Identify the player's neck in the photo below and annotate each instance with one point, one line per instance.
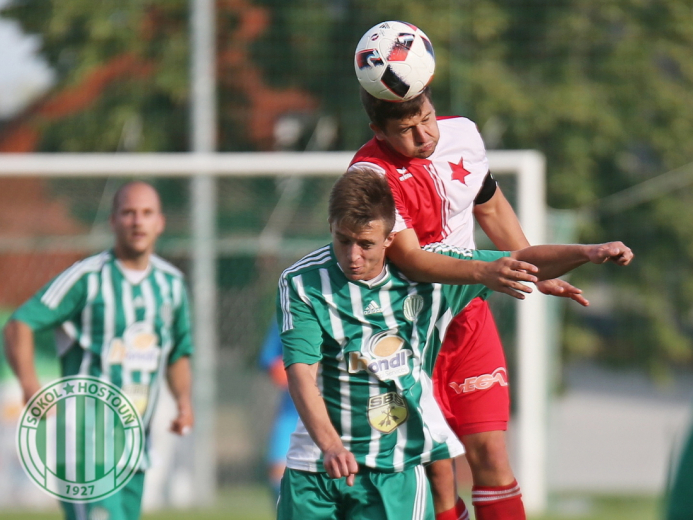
(132, 260)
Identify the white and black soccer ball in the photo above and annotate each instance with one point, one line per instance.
(394, 61)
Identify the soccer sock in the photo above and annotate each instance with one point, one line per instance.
(498, 503)
(459, 512)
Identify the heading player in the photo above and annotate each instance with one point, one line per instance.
(438, 172)
(360, 340)
(121, 315)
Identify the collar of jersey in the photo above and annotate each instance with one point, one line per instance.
(119, 265)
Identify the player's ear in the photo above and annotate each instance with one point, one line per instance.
(379, 134)
(389, 239)
(162, 223)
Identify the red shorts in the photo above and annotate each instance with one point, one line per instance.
(470, 378)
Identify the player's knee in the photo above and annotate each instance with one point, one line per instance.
(487, 452)
(440, 471)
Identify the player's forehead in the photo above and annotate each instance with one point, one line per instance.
(137, 195)
(426, 110)
(371, 232)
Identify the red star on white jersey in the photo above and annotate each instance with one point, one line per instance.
(458, 172)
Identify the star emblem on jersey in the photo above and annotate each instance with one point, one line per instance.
(372, 308)
(459, 173)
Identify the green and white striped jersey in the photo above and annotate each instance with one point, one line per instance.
(108, 327)
(376, 344)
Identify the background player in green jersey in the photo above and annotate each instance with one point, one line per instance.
(360, 340)
(122, 316)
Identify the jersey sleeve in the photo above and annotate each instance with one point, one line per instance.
(458, 296)
(182, 331)
(300, 331)
(55, 303)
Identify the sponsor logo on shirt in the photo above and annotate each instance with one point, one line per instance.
(383, 356)
(387, 411)
(482, 382)
(137, 351)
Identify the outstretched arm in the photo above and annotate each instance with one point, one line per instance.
(503, 275)
(338, 461)
(19, 349)
(556, 260)
(498, 220)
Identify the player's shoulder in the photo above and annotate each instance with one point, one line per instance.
(313, 262)
(370, 155)
(457, 123)
(74, 277)
(90, 264)
(165, 266)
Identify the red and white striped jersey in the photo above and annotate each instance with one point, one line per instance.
(435, 196)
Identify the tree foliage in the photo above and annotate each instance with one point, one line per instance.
(603, 87)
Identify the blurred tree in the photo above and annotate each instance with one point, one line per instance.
(115, 62)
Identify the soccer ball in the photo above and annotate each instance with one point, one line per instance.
(394, 61)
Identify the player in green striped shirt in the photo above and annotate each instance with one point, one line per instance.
(360, 340)
(121, 315)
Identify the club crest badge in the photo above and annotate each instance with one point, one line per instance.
(387, 411)
(412, 306)
(80, 439)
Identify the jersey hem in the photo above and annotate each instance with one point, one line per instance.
(310, 467)
(481, 427)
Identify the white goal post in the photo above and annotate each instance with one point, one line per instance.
(532, 390)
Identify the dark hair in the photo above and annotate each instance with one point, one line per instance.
(380, 111)
(359, 197)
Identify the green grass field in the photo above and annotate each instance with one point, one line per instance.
(253, 503)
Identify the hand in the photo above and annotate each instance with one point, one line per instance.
(184, 422)
(558, 287)
(616, 252)
(505, 274)
(339, 462)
